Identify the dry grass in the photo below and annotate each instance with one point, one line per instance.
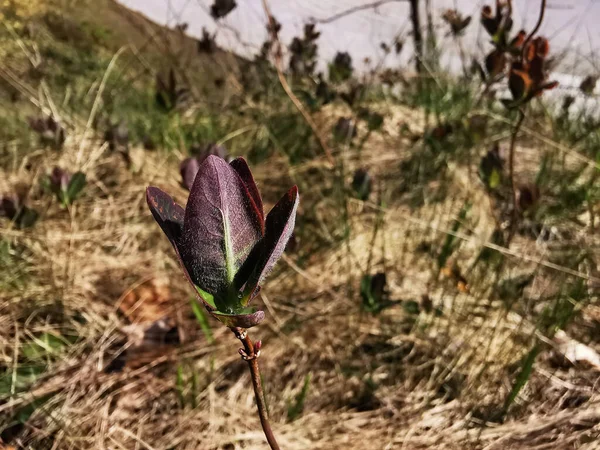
(102, 273)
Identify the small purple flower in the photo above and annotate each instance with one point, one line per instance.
(222, 239)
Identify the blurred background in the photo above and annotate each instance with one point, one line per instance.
(441, 286)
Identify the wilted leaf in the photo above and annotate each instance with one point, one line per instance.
(146, 342)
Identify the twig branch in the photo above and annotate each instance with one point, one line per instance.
(250, 354)
(286, 86)
(353, 10)
(535, 30)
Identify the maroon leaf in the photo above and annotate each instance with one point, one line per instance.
(59, 180)
(221, 226)
(170, 216)
(279, 227)
(188, 169)
(167, 213)
(241, 167)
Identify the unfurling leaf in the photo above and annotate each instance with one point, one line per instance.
(222, 240)
(12, 207)
(65, 186)
(189, 168)
(221, 227)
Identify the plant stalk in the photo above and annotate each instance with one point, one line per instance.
(511, 174)
(250, 355)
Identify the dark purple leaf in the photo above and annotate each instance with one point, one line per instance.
(37, 124)
(59, 180)
(241, 167)
(279, 227)
(188, 169)
(221, 227)
(168, 214)
(170, 217)
(9, 206)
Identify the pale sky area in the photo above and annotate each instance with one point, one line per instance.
(571, 25)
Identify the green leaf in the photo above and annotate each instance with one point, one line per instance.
(26, 218)
(495, 179)
(375, 121)
(296, 407)
(42, 347)
(75, 186)
(202, 320)
(522, 377)
(20, 380)
(180, 386)
(208, 298)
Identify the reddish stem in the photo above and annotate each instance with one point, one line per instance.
(250, 354)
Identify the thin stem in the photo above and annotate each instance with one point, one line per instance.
(511, 172)
(250, 354)
(535, 30)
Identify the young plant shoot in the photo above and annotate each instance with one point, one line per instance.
(227, 247)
